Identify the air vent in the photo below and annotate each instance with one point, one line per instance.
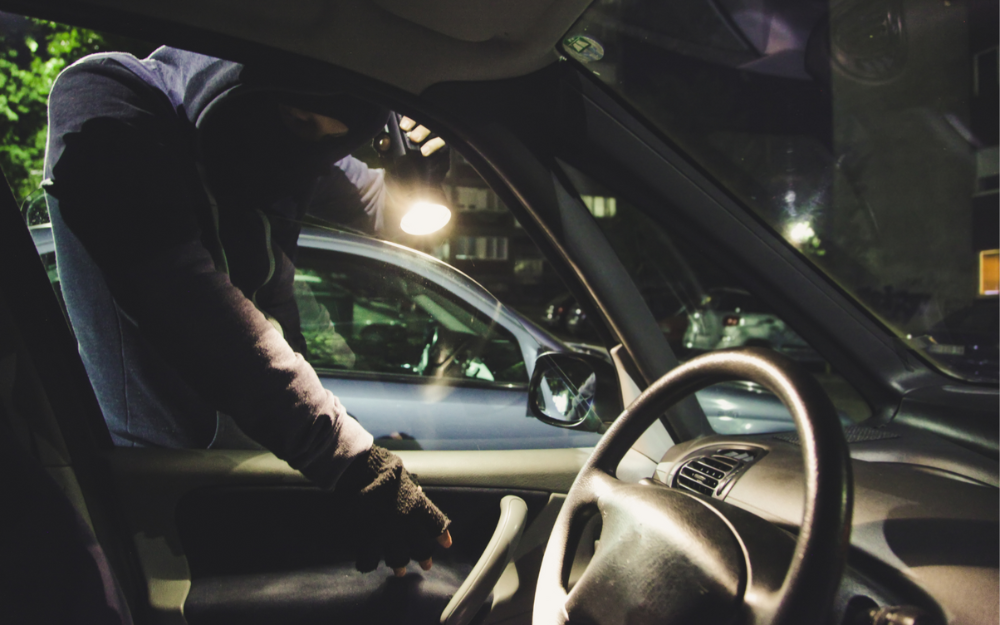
(711, 472)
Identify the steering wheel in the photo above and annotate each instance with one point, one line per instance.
(669, 556)
(445, 350)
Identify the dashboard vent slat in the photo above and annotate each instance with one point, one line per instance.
(719, 464)
(707, 469)
(700, 477)
(711, 472)
(691, 485)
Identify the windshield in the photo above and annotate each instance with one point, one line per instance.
(863, 132)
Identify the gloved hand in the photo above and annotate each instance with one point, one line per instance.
(427, 168)
(417, 134)
(396, 521)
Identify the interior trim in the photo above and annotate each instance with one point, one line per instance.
(151, 482)
(406, 378)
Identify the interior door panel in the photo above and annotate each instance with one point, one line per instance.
(239, 536)
(284, 553)
(249, 530)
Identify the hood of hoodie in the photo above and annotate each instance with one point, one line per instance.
(202, 88)
(232, 110)
(258, 175)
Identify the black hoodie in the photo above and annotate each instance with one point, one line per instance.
(175, 196)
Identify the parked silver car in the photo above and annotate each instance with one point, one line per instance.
(426, 358)
(731, 317)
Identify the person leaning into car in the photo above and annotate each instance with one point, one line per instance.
(176, 186)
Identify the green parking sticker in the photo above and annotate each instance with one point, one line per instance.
(584, 48)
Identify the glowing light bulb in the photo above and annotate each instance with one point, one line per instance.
(425, 218)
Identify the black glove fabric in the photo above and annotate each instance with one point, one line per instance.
(396, 522)
(412, 168)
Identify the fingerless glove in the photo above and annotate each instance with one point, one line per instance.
(396, 521)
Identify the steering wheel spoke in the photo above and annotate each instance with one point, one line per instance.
(671, 556)
(663, 557)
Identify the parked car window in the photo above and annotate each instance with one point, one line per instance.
(368, 316)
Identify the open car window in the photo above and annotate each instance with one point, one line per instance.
(367, 316)
(429, 347)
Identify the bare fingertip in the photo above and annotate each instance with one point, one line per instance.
(400, 572)
(406, 123)
(432, 146)
(427, 564)
(445, 539)
(418, 134)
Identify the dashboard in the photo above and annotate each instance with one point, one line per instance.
(925, 530)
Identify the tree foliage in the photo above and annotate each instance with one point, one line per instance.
(32, 53)
(30, 60)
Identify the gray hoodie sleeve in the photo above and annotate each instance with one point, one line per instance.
(118, 163)
(370, 186)
(351, 194)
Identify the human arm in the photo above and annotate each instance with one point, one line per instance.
(120, 168)
(367, 199)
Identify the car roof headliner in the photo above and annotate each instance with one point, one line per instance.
(409, 44)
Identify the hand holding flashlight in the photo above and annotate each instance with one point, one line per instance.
(417, 133)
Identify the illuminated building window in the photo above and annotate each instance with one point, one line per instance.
(528, 270)
(600, 206)
(989, 272)
(475, 199)
(479, 248)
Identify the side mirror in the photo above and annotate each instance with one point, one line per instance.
(576, 391)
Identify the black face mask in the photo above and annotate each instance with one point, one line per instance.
(251, 157)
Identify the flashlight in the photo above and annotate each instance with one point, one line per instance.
(428, 212)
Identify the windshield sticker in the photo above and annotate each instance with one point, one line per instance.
(584, 48)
